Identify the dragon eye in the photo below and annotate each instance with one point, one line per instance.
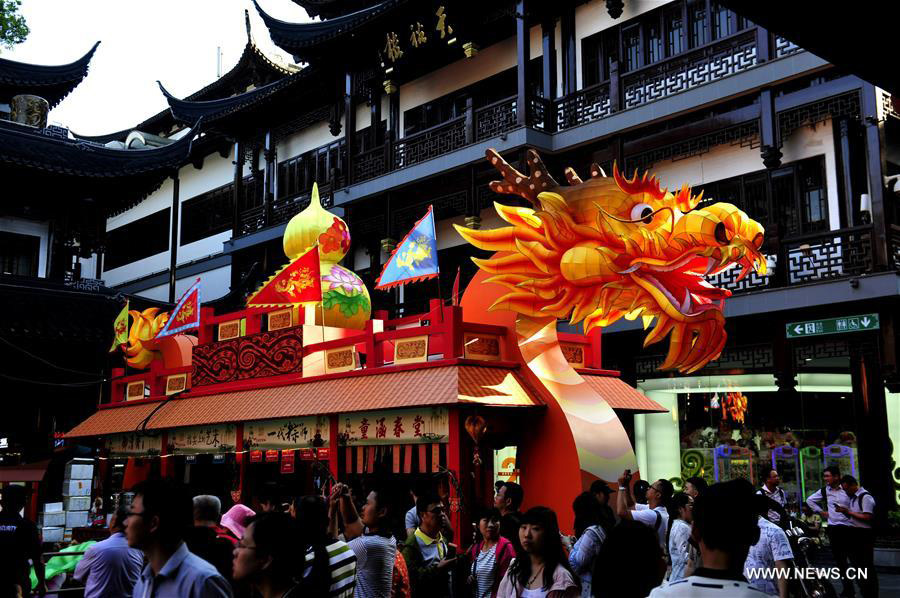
(642, 211)
(722, 234)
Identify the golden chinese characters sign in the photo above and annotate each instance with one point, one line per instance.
(291, 433)
(395, 426)
(133, 444)
(215, 438)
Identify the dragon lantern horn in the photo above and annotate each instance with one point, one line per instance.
(635, 186)
(516, 183)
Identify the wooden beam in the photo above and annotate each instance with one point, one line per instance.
(523, 55)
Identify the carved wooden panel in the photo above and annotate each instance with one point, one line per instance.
(574, 354)
(411, 350)
(176, 383)
(280, 319)
(229, 330)
(482, 346)
(343, 359)
(134, 390)
(266, 354)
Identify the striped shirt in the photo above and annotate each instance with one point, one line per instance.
(483, 568)
(375, 557)
(341, 565)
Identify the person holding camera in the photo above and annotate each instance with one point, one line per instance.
(369, 537)
(429, 558)
(654, 513)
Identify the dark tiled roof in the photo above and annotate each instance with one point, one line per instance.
(301, 39)
(188, 111)
(52, 83)
(329, 9)
(26, 147)
(252, 64)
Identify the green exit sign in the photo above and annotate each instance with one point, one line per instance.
(840, 325)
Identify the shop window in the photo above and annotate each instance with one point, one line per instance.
(137, 240)
(674, 31)
(631, 46)
(699, 24)
(19, 254)
(653, 48)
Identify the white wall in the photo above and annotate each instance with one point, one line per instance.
(725, 161)
(32, 228)
(213, 284)
(305, 140)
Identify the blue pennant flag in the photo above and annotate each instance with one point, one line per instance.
(186, 314)
(415, 257)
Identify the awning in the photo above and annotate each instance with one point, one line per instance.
(622, 396)
(444, 385)
(26, 472)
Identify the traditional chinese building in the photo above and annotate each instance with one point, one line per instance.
(393, 110)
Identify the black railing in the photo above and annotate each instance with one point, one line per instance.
(495, 119)
(842, 253)
(430, 143)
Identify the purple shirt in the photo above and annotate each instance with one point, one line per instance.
(109, 568)
(185, 575)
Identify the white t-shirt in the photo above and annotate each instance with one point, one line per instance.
(539, 593)
(701, 587)
(375, 557)
(648, 516)
(861, 502)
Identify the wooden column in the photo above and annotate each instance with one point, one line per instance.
(393, 128)
(875, 168)
(374, 115)
(238, 190)
(173, 247)
(523, 55)
(349, 125)
(567, 39)
(548, 71)
(770, 141)
(845, 171)
(453, 464)
(269, 176)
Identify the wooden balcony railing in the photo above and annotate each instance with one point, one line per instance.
(621, 91)
(817, 257)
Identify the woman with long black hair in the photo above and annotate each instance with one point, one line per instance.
(679, 536)
(540, 569)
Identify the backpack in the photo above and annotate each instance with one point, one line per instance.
(859, 497)
(823, 502)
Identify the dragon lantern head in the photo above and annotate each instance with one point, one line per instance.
(144, 328)
(598, 250)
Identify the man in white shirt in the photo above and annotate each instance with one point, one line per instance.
(110, 567)
(773, 491)
(830, 502)
(725, 526)
(654, 513)
(771, 552)
(861, 512)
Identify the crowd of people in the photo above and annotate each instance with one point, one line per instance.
(633, 540)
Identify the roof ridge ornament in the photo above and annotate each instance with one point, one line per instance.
(247, 25)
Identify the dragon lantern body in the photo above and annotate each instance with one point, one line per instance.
(593, 252)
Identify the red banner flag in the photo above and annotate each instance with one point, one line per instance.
(297, 282)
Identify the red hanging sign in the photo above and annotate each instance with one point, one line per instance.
(287, 461)
(255, 456)
(306, 454)
(323, 454)
(272, 456)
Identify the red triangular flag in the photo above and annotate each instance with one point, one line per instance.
(297, 282)
(454, 294)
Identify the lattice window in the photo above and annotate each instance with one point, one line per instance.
(846, 104)
(430, 143)
(495, 119)
(584, 106)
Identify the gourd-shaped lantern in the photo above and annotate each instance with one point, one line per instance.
(345, 299)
